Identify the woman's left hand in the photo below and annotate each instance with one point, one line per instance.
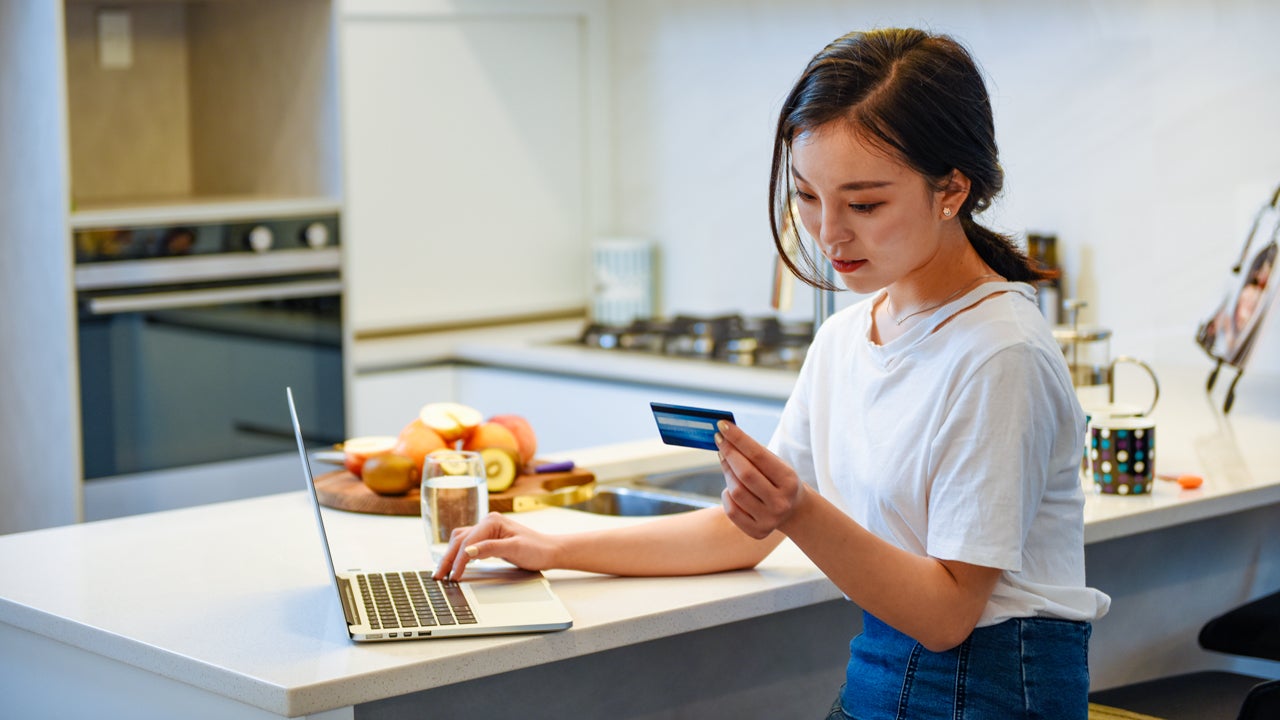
(761, 491)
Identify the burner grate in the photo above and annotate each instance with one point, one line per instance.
(747, 341)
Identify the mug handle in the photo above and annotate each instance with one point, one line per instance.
(1111, 380)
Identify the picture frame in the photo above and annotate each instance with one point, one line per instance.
(1231, 330)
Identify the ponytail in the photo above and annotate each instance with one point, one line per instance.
(1002, 254)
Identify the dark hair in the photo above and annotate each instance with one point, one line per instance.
(923, 98)
(1263, 262)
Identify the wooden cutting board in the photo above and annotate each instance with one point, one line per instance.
(343, 491)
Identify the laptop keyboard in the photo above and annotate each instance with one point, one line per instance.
(412, 599)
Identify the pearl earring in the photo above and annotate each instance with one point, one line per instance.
(946, 212)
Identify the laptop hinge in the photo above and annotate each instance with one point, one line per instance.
(348, 602)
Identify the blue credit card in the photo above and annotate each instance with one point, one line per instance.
(688, 426)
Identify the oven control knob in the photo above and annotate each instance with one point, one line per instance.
(260, 239)
(316, 235)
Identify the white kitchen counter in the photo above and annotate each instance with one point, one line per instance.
(233, 600)
(228, 606)
(1237, 454)
(550, 347)
(390, 352)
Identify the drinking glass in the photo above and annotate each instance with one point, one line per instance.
(455, 494)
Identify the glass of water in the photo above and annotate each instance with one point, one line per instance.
(455, 494)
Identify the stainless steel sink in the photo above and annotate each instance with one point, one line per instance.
(633, 501)
(707, 482)
(664, 494)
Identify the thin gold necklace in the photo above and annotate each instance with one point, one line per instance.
(935, 306)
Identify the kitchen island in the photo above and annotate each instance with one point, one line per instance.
(225, 610)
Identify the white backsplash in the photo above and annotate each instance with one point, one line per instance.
(1140, 133)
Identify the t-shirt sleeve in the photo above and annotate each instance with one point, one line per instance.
(991, 460)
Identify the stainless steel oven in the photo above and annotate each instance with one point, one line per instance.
(188, 335)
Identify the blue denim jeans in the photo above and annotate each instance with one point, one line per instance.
(1022, 668)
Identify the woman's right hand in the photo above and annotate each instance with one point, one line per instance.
(496, 536)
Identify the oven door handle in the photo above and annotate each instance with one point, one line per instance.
(143, 302)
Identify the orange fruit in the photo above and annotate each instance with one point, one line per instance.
(492, 435)
(416, 440)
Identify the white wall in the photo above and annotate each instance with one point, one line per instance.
(1141, 132)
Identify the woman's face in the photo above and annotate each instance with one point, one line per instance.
(874, 218)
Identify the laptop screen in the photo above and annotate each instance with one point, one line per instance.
(311, 488)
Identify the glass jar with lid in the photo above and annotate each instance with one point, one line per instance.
(1087, 348)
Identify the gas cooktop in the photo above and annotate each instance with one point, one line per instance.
(765, 341)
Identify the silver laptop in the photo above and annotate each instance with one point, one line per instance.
(407, 604)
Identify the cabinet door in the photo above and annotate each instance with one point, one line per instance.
(465, 149)
(384, 402)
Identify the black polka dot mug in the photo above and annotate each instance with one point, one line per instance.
(1096, 411)
(1122, 454)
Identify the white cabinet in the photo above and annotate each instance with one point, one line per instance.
(382, 403)
(470, 131)
(572, 412)
(470, 137)
(221, 104)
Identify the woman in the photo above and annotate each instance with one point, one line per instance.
(927, 458)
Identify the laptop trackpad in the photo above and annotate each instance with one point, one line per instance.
(518, 592)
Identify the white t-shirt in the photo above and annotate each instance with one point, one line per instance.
(960, 444)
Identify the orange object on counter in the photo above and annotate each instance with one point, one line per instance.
(1186, 481)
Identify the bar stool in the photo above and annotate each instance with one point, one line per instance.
(1251, 630)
